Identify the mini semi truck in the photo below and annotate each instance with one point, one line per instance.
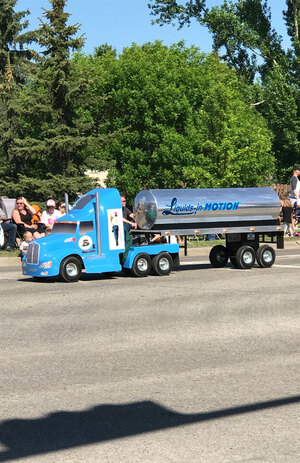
(91, 237)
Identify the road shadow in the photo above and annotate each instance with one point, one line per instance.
(183, 267)
(64, 429)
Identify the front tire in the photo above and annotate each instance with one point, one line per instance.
(245, 257)
(218, 256)
(70, 269)
(141, 265)
(265, 256)
(162, 264)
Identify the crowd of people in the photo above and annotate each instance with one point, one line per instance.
(28, 222)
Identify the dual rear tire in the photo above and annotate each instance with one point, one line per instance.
(245, 257)
(161, 264)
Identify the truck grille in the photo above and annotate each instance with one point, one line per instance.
(33, 253)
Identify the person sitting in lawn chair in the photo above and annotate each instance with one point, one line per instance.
(10, 229)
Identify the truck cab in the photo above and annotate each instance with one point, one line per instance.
(91, 237)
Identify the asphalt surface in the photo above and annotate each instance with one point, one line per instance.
(198, 366)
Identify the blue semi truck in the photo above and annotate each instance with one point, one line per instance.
(91, 237)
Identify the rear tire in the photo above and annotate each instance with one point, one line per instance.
(218, 256)
(245, 257)
(162, 264)
(141, 265)
(265, 256)
(70, 269)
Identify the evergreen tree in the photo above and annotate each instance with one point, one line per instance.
(15, 66)
(50, 156)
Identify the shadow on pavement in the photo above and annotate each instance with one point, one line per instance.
(65, 429)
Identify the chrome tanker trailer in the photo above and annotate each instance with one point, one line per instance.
(247, 217)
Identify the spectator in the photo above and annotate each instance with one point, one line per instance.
(62, 208)
(36, 219)
(287, 211)
(295, 186)
(10, 229)
(24, 245)
(50, 215)
(128, 216)
(22, 217)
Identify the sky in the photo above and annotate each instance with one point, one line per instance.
(122, 22)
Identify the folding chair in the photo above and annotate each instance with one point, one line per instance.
(8, 205)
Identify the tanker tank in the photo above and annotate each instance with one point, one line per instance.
(204, 208)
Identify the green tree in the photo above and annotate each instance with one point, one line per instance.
(51, 153)
(15, 67)
(182, 120)
(243, 36)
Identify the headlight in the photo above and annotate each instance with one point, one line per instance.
(46, 264)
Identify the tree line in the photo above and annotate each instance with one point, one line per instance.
(153, 116)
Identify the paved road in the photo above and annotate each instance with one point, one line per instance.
(199, 366)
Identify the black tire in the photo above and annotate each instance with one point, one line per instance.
(162, 264)
(70, 269)
(265, 256)
(245, 257)
(233, 260)
(218, 256)
(141, 266)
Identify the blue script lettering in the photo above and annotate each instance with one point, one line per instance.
(175, 209)
(188, 209)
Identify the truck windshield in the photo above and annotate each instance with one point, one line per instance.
(83, 201)
(69, 228)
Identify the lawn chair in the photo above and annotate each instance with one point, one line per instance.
(7, 205)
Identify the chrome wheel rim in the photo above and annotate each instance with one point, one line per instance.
(71, 269)
(248, 257)
(164, 264)
(267, 256)
(142, 265)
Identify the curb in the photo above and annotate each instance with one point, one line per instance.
(201, 251)
(10, 262)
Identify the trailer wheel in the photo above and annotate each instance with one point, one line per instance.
(265, 256)
(162, 264)
(218, 256)
(141, 265)
(70, 269)
(245, 257)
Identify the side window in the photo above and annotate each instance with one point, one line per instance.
(86, 227)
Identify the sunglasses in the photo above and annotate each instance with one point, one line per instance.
(20, 203)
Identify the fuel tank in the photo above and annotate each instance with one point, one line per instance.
(206, 207)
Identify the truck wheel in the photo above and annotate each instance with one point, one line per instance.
(265, 256)
(141, 265)
(162, 264)
(218, 256)
(70, 269)
(245, 257)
